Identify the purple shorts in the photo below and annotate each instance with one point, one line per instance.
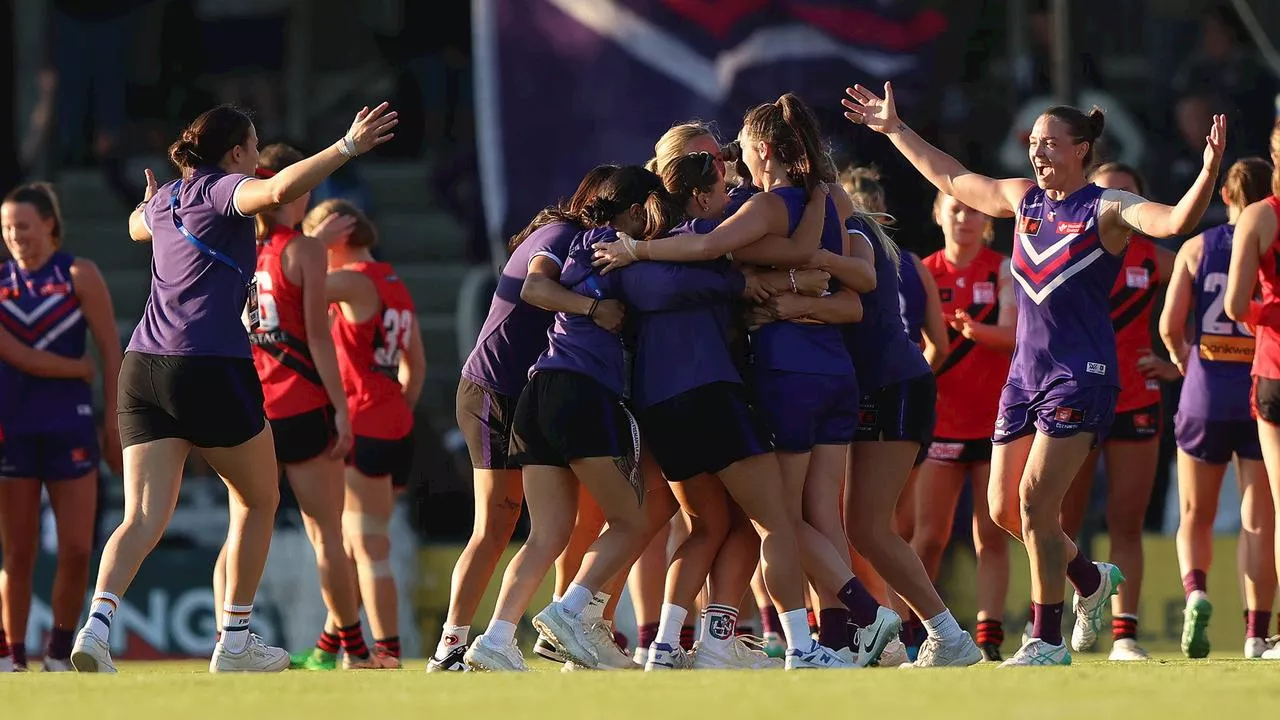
(1063, 410)
(49, 456)
(803, 410)
(1215, 441)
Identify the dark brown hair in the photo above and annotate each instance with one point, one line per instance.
(209, 137)
(695, 172)
(1248, 181)
(633, 185)
(1119, 167)
(1081, 127)
(790, 127)
(566, 211)
(40, 195)
(364, 234)
(274, 158)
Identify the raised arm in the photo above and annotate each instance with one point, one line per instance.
(542, 289)
(1177, 302)
(139, 231)
(310, 256)
(997, 198)
(936, 344)
(1255, 231)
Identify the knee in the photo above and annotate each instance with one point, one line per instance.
(20, 559)
(547, 542)
(495, 527)
(366, 537)
(74, 555)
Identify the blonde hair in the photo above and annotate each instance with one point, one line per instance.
(364, 234)
(864, 188)
(670, 147)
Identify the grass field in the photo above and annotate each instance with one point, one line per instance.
(1170, 687)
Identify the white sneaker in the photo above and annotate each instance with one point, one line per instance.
(960, 651)
(93, 655)
(485, 656)
(667, 657)
(1128, 650)
(1255, 647)
(1273, 649)
(607, 653)
(1089, 610)
(870, 641)
(257, 656)
(736, 654)
(56, 665)
(6, 664)
(816, 657)
(641, 656)
(894, 654)
(1038, 652)
(567, 632)
(1026, 633)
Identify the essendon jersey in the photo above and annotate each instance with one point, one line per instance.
(369, 356)
(290, 382)
(971, 378)
(1266, 357)
(1132, 297)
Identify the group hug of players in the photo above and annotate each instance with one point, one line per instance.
(730, 334)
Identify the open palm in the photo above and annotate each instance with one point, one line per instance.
(866, 108)
(1216, 143)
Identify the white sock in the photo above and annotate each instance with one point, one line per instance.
(235, 627)
(101, 611)
(943, 626)
(718, 625)
(450, 637)
(1196, 596)
(500, 633)
(669, 624)
(555, 597)
(595, 610)
(795, 626)
(576, 599)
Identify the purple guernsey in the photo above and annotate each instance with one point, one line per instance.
(882, 351)
(1218, 381)
(911, 298)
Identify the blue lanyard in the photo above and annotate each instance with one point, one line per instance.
(195, 241)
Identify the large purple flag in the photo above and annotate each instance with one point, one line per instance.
(563, 85)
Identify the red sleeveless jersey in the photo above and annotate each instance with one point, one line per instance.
(1132, 298)
(369, 356)
(1266, 356)
(972, 377)
(290, 382)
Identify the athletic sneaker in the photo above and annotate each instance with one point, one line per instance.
(870, 641)
(991, 652)
(1273, 649)
(894, 654)
(91, 654)
(775, 646)
(486, 657)
(452, 661)
(1195, 625)
(375, 661)
(1255, 647)
(737, 654)
(1026, 633)
(603, 645)
(1128, 650)
(961, 651)
(641, 656)
(1089, 610)
(668, 657)
(257, 656)
(56, 665)
(384, 658)
(314, 659)
(1038, 652)
(816, 657)
(567, 632)
(545, 650)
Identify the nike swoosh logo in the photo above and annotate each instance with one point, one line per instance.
(866, 649)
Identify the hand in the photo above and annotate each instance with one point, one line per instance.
(609, 315)
(1215, 144)
(371, 128)
(111, 447)
(812, 283)
(152, 186)
(962, 323)
(1153, 366)
(346, 438)
(755, 290)
(615, 255)
(866, 108)
(335, 228)
(88, 370)
(789, 306)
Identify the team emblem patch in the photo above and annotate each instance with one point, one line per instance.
(1068, 415)
(1028, 226)
(984, 293)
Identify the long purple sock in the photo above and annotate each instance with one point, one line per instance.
(647, 633)
(833, 628)
(769, 620)
(1193, 581)
(862, 606)
(60, 640)
(19, 654)
(1084, 575)
(1256, 623)
(1047, 623)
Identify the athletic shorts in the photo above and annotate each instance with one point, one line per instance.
(208, 401)
(703, 430)
(304, 436)
(1215, 441)
(962, 452)
(564, 416)
(1264, 400)
(1064, 410)
(803, 409)
(484, 417)
(52, 455)
(375, 457)
(903, 411)
(1137, 425)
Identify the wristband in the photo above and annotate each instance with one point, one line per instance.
(347, 147)
(592, 312)
(792, 273)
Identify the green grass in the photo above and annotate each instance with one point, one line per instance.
(1170, 687)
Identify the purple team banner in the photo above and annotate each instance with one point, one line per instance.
(564, 85)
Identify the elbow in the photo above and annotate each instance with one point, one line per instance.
(1236, 309)
(529, 291)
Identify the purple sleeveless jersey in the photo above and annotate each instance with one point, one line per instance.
(1063, 280)
(882, 351)
(40, 309)
(911, 297)
(196, 302)
(515, 332)
(1218, 381)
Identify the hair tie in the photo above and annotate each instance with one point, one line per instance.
(264, 173)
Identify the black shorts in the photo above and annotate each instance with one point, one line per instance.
(901, 411)
(1136, 425)
(484, 417)
(564, 416)
(375, 457)
(1265, 399)
(704, 430)
(304, 436)
(208, 401)
(963, 452)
